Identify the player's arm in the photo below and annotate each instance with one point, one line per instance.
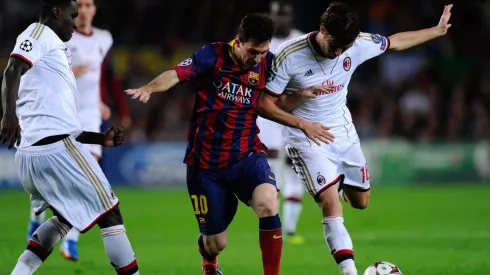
(405, 40)
(201, 63)
(111, 138)
(313, 130)
(10, 130)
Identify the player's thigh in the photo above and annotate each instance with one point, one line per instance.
(356, 183)
(24, 167)
(252, 174)
(316, 167)
(214, 205)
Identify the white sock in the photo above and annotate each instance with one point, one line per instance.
(39, 218)
(40, 246)
(119, 250)
(290, 215)
(339, 242)
(73, 235)
(24, 269)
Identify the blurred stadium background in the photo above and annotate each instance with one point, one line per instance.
(422, 115)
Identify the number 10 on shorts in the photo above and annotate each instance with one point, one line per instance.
(200, 204)
(365, 173)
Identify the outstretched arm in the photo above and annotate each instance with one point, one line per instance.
(405, 40)
(161, 83)
(201, 63)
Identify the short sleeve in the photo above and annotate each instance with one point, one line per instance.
(29, 49)
(200, 63)
(372, 45)
(278, 77)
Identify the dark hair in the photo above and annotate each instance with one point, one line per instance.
(341, 22)
(47, 6)
(258, 27)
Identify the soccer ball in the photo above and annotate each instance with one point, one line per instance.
(382, 268)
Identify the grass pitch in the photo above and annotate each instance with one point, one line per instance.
(424, 230)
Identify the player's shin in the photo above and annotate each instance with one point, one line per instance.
(271, 241)
(340, 244)
(40, 246)
(34, 222)
(119, 250)
(290, 214)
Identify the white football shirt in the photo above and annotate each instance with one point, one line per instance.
(271, 133)
(90, 51)
(48, 96)
(298, 64)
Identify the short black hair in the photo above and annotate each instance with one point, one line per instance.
(341, 22)
(258, 27)
(47, 6)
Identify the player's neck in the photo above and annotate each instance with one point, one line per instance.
(48, 22)
(237, 60)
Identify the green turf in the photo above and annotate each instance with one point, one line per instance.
(432, 231)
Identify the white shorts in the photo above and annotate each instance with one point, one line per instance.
(320, 167)
(66, 177)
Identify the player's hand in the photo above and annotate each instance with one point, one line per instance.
(10, 130)
(79, 70)
(317, 132)
(444, 22)
(142, 94)
(314, 91)
(114, 137)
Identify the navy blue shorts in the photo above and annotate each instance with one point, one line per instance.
(214, 193)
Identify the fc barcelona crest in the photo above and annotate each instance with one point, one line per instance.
(253, 78)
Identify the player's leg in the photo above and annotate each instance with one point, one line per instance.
(34, 222)
(292, 192)
(103, 209)
(317, 167)
(69, 246)
(356, 185)
(47, 235)
(256, 186)
(214, 207)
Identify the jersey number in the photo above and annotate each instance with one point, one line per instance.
(200, 204)
(365, 173)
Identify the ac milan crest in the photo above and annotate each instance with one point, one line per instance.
(320, 180)
(347, 63)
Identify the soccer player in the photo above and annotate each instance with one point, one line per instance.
(89, 46)
(40, 98)
(330, 56)
(292, 189)
(225, 158)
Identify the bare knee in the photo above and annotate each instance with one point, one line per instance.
(111, 218)
(214, 244)
(264, 200)
(356, 198)
(329, 203)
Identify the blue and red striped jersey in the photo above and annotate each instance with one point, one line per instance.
(223, 127)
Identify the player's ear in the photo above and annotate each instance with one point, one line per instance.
(56, 12)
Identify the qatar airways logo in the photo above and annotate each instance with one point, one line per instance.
(233, 92)
(331, 83)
